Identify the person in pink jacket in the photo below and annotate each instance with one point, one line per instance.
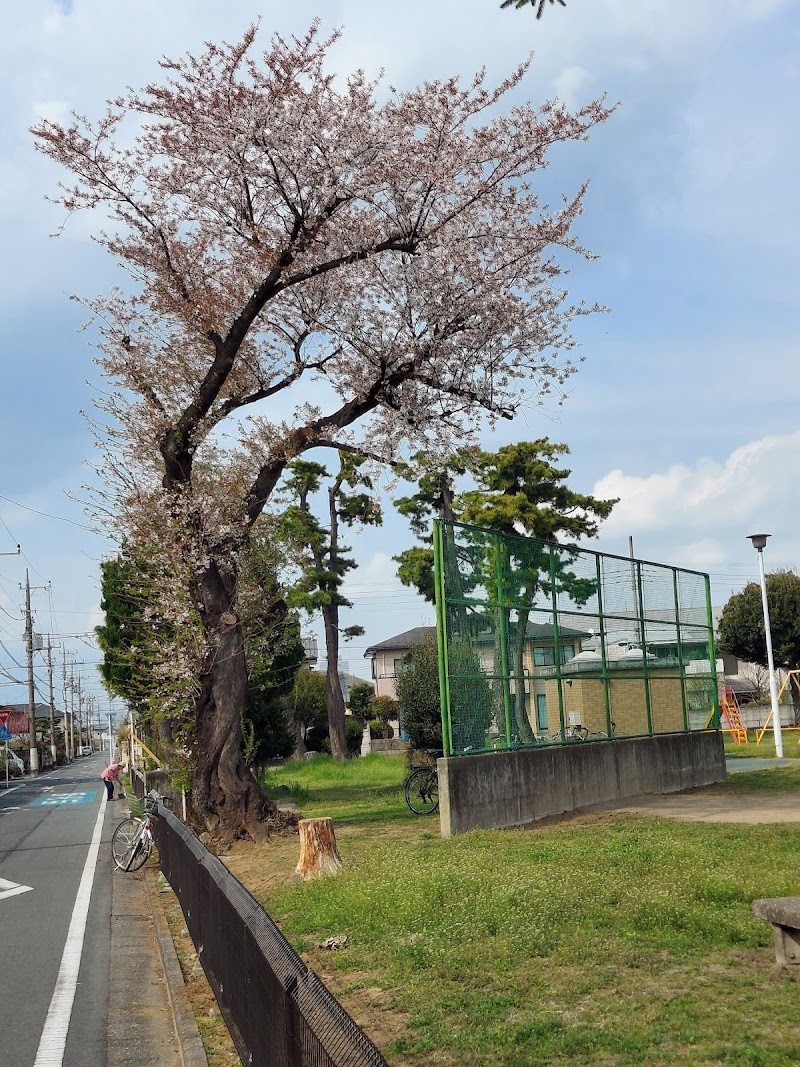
(109, 776)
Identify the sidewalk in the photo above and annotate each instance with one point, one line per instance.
(150, 1020)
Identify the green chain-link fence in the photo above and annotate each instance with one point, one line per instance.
(542, 643)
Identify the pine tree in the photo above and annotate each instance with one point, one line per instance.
(325, 561)
(517, 490)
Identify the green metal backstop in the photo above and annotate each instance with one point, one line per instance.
(542, 643)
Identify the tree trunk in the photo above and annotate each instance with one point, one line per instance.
(334, 701)
(318, 852)
(225, 797)
(299, 741)
(526, 734)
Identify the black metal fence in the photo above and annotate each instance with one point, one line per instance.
(278, 1012)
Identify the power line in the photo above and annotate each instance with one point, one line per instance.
(45, 514)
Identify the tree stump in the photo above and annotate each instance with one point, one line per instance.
(318, 852)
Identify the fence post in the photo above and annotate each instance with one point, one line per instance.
(643, 642)
(712, 655)
(441, 637)
(501, 622)
(603, 661)
(681, 667)
(557, 644)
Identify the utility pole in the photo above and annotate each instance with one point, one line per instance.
(52, 702)
(67, 717)
(34, 754)
(72, 706)
(80, 717)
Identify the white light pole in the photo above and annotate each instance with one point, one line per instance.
(759, 541)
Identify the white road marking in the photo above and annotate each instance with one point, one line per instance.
(54, 1036)
(12, 889)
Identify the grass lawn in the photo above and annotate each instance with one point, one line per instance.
(766, 750)
(599, 940)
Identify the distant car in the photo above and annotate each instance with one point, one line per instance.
(16, 768)
(85, 750)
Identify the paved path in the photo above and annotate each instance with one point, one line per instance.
(756, 763)
(699, 806)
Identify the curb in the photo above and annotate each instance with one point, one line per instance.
(190, 1046)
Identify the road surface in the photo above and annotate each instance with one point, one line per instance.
(55, 907)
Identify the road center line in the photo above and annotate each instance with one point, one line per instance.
(56, 1026)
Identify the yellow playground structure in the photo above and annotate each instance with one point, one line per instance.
(786, 681)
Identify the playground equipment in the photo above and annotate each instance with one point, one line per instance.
(786, 681)
(730, 712)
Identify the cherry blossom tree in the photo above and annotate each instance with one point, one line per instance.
(310, 262)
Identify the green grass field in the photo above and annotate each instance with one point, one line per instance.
(766, 750)
(600, 940)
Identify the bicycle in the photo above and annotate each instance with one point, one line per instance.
(132, 840)
(571, 733)
(422, 786)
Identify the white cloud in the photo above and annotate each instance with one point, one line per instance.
(699, 516)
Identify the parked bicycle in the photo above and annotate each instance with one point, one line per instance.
(132, 841)
(422, 786)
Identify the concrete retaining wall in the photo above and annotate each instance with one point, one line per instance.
(493, 790)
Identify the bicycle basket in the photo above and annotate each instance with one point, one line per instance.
(151, 803)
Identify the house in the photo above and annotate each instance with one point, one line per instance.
(539, 652)
(386, 656)
(18, 725)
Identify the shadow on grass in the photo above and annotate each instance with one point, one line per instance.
(769, 780)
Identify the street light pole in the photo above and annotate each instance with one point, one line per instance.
(759, 541)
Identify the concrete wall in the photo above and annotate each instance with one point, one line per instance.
(493, 790)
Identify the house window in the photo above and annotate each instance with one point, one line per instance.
(541, 711)
(396, 664)
(545, 655)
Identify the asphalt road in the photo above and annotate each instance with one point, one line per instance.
(47, 825)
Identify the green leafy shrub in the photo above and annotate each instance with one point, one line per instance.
(417, 683)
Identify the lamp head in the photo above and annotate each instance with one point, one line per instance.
(759, 540)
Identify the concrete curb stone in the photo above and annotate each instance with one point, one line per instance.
(190, 1044)
(147, 990)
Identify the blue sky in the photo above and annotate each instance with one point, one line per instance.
(687, 404)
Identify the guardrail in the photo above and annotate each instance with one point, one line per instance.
(278, 1011)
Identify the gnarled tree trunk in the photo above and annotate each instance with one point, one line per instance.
(225, 797)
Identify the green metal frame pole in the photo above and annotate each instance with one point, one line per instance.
(603, 660)
(501, 619)
(557, 644)
(681, 664)
(441, 636)
(712, 652)
(643, 643)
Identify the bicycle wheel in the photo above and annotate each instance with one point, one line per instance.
(580, 732)
(422, 791)
(130, 845)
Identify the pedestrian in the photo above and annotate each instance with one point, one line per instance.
(111, 775)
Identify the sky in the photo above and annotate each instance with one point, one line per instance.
(686, 405)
